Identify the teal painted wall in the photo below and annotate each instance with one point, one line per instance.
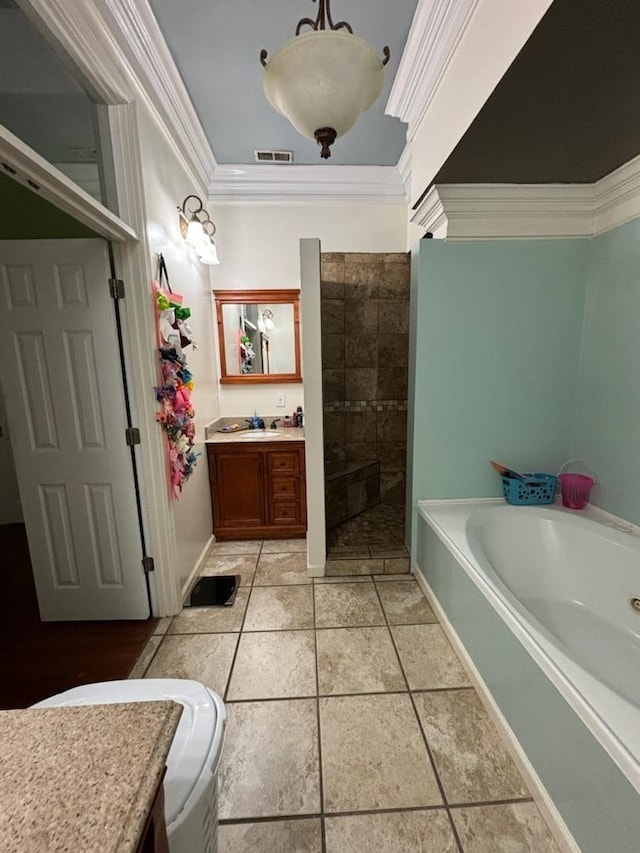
(528, 352)
(496, 338)
(606, 427)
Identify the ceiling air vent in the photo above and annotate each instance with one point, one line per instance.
(84, 155)
(273, 156)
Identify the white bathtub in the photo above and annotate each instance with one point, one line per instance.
(562, 581)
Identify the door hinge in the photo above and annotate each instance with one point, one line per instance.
(132, 435)
(116, 288)
(148, 565)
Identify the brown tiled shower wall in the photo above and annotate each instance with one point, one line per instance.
(365, 354)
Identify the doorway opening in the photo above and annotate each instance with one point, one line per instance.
(42, 658)
(365, 355)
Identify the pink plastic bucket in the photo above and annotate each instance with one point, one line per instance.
(576, 488)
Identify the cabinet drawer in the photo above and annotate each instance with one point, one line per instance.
(284, 489)
(284, 462)
(284, 513)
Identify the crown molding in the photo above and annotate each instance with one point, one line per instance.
(404, 169)
(617, 197)
(507, 211)
(141, 40)
(430, 214)
(283, 184)
(117, 50)
(436, 30)
(78, 33)
(531, 211)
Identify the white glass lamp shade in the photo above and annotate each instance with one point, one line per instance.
(196, 233)
(323, 79)
(209, 254)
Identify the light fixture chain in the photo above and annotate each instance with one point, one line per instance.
(323, 17)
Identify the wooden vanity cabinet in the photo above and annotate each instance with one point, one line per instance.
(258, 490)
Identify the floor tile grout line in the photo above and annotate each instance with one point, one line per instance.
(318, 815)
(357, 813)
(422, 732)
(240, 632)
(243, 821)
(323, 837)
(508, 802)
(322, 628)
(364, 694)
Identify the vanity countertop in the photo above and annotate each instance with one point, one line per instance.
(248, 436)
(81, 778)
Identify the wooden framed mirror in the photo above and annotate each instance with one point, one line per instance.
(258, 336)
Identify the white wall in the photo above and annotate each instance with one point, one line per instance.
(259, 248)
(166, 184)
(314, 455)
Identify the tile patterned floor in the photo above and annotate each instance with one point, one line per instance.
(380, 528)
(352, 725)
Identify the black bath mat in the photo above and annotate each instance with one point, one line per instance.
(218, 591)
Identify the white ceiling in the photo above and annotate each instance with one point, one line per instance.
(216, 46)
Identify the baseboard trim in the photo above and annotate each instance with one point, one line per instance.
(195, 571)
(550, 813)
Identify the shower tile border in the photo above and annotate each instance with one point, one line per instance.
(358, 406)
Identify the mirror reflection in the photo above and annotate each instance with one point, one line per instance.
(258, 335)
(258, 338)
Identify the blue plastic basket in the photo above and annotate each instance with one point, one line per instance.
(536, 489)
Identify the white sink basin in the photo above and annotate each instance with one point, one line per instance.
(252, 434)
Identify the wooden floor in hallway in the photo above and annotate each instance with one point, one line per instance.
(40, 659)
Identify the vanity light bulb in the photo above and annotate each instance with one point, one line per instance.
(195, 232)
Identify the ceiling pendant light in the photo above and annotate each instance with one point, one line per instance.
(323, 80)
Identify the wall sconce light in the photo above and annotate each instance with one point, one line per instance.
(198, 229)
(267, 316)
(265, 321)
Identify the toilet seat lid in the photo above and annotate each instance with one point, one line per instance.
(197, 743)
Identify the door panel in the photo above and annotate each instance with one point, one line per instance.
(239, 488)
(65, 407)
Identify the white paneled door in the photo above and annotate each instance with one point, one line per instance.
(63, 392)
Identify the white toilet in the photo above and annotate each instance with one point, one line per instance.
(190, 784)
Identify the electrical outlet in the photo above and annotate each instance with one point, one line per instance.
(281, 400)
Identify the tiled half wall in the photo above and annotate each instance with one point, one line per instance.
(365, 354)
